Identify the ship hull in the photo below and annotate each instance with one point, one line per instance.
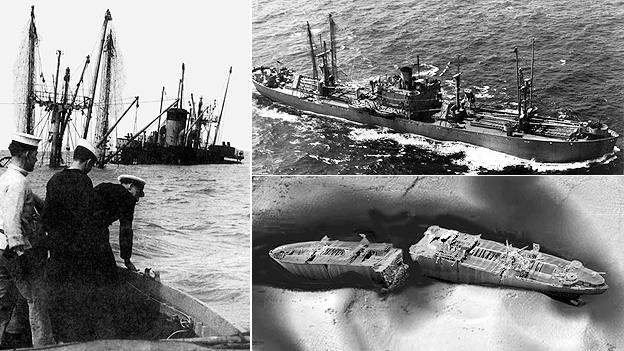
(556, 151)
(177, 155)
(461, 273)
(328, 272)
(376, 263)
(464, 258)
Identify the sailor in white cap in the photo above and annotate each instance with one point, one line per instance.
(69, 220)
(117, 202)
(19, 235)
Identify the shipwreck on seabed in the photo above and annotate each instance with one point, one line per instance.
(464, 258)
(379, 263)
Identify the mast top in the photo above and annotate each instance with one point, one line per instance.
(107, 16)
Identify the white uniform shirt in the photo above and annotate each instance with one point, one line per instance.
(17, 207)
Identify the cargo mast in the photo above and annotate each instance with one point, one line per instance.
(332, 46)
(314, 68)
(101, 126)
(107, 17)
(222, 106)
(29, 118)
(518, 82)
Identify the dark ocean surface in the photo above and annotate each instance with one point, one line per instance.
(192, 226)
(579, 71)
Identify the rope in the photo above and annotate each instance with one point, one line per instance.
(176, 332)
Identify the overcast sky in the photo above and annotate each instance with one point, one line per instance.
(154, 38)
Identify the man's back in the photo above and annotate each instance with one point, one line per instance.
(113, 203)
(68, 211)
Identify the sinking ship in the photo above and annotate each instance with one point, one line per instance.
(464, 258)
(381, 263)
(409, 102)
(185, 138)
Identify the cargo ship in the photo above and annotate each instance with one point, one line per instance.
(409, 102)
(464, 258)
(380, 263)
(183, 138)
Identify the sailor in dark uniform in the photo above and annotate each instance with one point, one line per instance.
(78, 311)
(117, 202)
(68, 216)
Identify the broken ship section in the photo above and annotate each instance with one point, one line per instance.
(380, 263)
(458, 257)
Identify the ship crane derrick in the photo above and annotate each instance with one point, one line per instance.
(60, 103)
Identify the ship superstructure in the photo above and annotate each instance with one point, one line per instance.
(381, 263)
(464, 258)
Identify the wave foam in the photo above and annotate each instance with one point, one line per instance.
(274, 114)
(476, 158)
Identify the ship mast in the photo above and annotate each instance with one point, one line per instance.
(30, 85)
(518, 82)
(532, 62)
(222, 106)
(324, 58)
(314, 69)
(162, 96)
(68, 116)
(181, 88)
(107, 17)
(55, 122)
(58, 116)
(101, 127)
(332, 46)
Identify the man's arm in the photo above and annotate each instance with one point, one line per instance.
(39, 203)
(12, 217)
(126, 236)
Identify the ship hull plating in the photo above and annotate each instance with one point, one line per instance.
(177, 155)
(541, 150)
(461, 273)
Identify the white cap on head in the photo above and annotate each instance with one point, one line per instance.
(87, 145)
(124, 178)
(27, 139)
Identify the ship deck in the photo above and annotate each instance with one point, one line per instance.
(336, 253)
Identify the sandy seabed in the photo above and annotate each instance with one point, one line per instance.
(573, 217)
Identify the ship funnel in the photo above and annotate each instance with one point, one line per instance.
(406, 74)
(176, 121)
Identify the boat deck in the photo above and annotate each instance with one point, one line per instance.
(335, 253)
